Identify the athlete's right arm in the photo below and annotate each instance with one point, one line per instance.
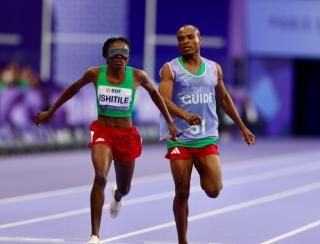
(69, 92)
(166, 90)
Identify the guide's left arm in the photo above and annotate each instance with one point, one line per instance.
(228, 106)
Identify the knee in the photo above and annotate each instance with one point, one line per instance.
(100, 179)
(182, 193)
(213, 192)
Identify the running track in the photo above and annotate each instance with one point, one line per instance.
(271, 194)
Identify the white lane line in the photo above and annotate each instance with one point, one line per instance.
(80, 189)
(277, 173)
(244, 164)
(228, 209)
(277, 160)
(174, 242)
(311, 167)
(30, 239)
(159, 242)
(293, 232)
(46, 218)
(41, 195)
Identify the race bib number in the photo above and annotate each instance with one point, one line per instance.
(115, 98)
(199, 129)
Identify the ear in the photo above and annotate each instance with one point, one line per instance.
(200, 39)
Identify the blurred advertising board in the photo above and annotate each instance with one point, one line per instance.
(283, 28)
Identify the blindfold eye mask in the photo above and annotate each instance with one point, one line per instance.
(112, 52)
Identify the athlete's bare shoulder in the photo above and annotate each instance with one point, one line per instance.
(138, 72)
(219, 71)
(139, 75)
(166, 73)
(91, 74)
(93, 70)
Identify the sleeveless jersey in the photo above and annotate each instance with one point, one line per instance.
(115, 100)
(194, 93)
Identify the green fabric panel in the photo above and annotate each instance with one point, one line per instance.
(193, 144)
(200, 72)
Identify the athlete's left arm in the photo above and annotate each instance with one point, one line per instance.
(146, 83)
(228, 106)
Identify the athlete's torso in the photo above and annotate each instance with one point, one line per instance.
(115, 101)
(194, 93)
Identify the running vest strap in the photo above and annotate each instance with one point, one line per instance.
(115, 100)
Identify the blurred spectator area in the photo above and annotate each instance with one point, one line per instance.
(22, 94)
(14, 75)
(270, 62)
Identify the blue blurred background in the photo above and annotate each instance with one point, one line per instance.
(268, 49)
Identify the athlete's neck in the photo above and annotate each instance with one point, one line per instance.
(116, 74)
(193, 60)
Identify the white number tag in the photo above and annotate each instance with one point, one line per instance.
(196, 130)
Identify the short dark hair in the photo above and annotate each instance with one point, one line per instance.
(192, 26)
(111, 40)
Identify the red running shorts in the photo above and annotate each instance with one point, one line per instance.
(125, 144)
(176, 153)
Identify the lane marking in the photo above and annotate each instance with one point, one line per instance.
(228, 209)
(31, 239)
(311, 167)
(293, 232)
(41, 195)
(273, 160)
(237, 165)
(174, 242)
(80, 189)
